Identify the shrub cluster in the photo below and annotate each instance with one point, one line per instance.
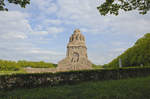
(72, 77)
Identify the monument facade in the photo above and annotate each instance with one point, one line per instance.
(76, 56)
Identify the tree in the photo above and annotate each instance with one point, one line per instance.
(113, 6)
(22, 3)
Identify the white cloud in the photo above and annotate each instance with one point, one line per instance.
(85, 14)
(55, 30)
(30, 53)
(13, 35)
(47, 22)
(14, 25)
(46, 6)
(40, 32)
(17, 41)
(53, 8)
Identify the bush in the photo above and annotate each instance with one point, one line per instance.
(8, 66)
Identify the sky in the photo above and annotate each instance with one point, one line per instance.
(41, 31)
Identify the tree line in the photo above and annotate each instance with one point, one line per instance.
(16, 65)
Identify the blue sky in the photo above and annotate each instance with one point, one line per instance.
(41, 31)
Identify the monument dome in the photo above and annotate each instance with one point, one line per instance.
(76, 56)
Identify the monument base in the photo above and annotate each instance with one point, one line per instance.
(67, 64)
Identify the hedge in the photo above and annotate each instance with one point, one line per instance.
(72, 77)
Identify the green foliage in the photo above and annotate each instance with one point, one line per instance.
(15, 66)
(20, 71)
(113, 6)
(137, 88)
(138, 55)
(22, 3)
(40, 64)
(8, 65)
(72, 77)
(105, 66)
(97, 66)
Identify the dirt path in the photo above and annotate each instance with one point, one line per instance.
(39, 70)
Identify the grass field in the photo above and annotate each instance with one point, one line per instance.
(137, 88)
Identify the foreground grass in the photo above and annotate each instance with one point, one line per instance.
(137, 88)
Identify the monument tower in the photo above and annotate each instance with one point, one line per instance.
(76, 56)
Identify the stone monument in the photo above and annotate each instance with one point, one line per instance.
(76, 56)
